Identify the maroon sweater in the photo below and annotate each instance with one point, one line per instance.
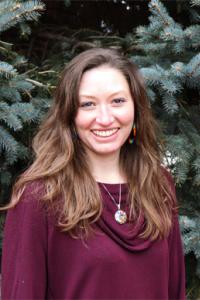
(40, 262)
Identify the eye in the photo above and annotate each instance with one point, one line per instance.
(87, 104)
(118, 100)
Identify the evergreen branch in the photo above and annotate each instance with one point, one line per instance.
(5, 47)
(5, 178)
(5, 5)
(13, 115)
(47, 72)
(30, 71)
(85, 32)
(7, 70)
(7, 142)
(19, 61)
(10, 94)
(20, 12)
(25, 29)
(41, 104)
(158, 9)
(154, 47)
(25, 111)
(169, 86)
(4, 51)
(180, 150)
(191, 238)
(196, 167)
(9, 117)
(191, 133)
(153, 74)
(151, 95)
(112, 37)
(194, 15)
(192, 35)
(186, 223)
(20, 84)
(198, 267)
(8, 46)
(195, 2)
(172, 33)
(36, 83)
(193, 67)
(141, 61)
(178, 70)
(21, 152)
(181, 170)
(170, 104)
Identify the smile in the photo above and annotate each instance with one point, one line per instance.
(105, 133)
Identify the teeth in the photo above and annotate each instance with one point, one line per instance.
(104, 132)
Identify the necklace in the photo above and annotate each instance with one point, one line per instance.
(120, 215)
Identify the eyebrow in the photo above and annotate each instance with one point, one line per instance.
(93, 97)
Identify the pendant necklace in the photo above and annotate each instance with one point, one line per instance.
(120, 215)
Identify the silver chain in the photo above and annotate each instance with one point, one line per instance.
(113, 199)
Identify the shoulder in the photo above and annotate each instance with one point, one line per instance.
(27, 216)
(33, 190)
(29, 200)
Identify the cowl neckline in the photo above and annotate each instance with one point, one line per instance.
(126, 235)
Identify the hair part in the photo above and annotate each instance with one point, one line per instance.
(60, 159)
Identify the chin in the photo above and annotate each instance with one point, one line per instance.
(106, 151)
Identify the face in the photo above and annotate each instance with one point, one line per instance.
(106, 111)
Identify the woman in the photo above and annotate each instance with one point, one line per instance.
(94, 217)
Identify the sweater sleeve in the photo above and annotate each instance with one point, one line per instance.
(176, 264)
(24, 249)
(176, 256)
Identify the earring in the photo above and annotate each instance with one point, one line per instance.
(132, 139)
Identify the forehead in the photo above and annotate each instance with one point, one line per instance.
(103, 78)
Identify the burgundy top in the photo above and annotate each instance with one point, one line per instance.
(40, 262)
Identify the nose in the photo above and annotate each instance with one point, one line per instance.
(104, 116)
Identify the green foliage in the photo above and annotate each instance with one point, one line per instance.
(195, 2)
(13, 12)
(172, 68)
(190, 227)
(17, 90)
(169, 58)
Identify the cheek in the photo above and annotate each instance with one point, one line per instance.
(78, 122)
(127, 117)
(81, 121)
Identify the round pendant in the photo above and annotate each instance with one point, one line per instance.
(120, 216)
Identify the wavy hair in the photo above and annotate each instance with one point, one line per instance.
(61, 163)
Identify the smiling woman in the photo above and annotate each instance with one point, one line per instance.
(94, 216)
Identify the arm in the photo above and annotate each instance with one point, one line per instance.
(176, 264)
(24, 250)
(176, 257)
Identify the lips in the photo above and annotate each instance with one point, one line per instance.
(105, 133)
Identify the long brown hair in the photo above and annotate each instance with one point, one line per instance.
(61, 162)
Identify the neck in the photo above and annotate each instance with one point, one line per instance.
(106, 169)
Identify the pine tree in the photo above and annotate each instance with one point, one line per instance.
(17, 108)
(169, 59)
